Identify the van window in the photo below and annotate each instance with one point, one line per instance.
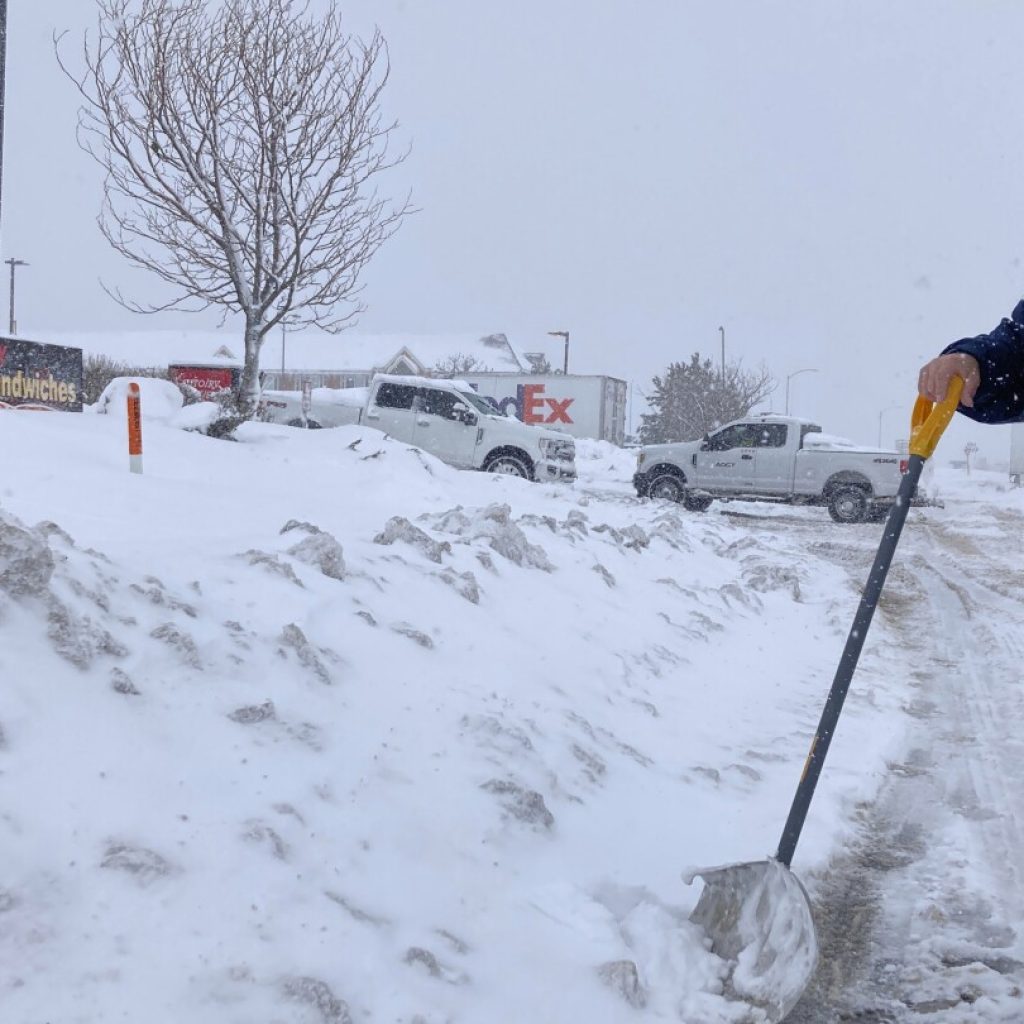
(395, 396)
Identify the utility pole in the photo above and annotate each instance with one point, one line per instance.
(13, 263)
(721, 330)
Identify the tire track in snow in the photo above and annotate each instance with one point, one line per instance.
(918, 920)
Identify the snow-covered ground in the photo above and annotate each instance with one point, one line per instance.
(311, 727)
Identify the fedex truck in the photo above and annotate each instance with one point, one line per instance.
(584, 406)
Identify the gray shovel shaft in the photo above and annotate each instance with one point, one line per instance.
(848, 662)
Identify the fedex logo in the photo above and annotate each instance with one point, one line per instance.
(532, 405)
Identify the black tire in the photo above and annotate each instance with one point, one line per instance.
(668, 486)
(309, 424)
(848, 504)
(697, 502)
(510, 465)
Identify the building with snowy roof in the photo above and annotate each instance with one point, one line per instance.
(289, 358)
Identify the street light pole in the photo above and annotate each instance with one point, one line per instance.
(796, 373)
(565, 335)
(13, 324)
(888, 408)
(721, 330)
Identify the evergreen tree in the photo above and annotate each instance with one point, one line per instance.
(691, 399)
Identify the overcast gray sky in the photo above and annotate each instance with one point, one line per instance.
(838, 184)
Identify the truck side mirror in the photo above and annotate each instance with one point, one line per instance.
(464, 414)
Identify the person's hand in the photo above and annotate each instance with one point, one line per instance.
(933, 381)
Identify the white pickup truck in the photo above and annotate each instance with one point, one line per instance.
(772, 458)
(443, 417)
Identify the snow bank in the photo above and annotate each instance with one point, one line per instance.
(312, 726)
(160, 399)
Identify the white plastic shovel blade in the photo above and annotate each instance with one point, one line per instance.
(758, 918)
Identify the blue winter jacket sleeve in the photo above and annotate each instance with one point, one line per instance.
(1000, 355)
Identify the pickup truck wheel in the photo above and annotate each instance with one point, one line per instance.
(309, 424)
(848, 505)
(510, 465)
(668, 486)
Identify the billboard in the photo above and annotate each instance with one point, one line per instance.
(38, 376)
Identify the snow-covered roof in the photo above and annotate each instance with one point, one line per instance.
(401, 378)
(303, 350)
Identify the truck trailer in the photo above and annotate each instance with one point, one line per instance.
(580, 405)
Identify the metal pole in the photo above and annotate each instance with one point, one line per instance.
(564, 335)
(807, 369)
(282, 351)
(721, 330)
(888, 408)
(13, 324)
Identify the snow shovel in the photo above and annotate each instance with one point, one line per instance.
(757, 914)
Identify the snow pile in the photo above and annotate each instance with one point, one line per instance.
(314, 727)
(159, 399)
(352, 398)
(833, 442)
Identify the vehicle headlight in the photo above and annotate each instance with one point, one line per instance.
(552, 448)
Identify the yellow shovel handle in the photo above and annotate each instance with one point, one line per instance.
(928, 421)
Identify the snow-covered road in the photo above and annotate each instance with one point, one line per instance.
(921, 918)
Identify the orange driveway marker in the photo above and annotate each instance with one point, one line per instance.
(134, 428)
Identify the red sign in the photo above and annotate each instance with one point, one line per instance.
(207, 380)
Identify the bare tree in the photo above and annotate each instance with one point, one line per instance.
(695, 397)
(458, 364)
(241, 144)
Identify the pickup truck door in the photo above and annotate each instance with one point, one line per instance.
(391, 410)
(725, 461)
(445, 426)
(773, 458)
